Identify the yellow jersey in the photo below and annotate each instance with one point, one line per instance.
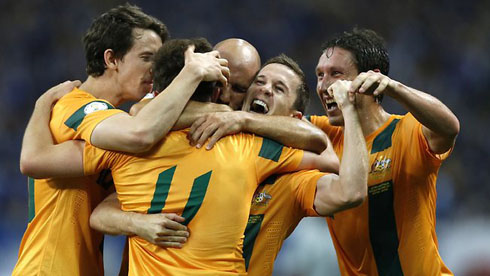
(278, 205)
(393, 231)
(58, 239)
(212, 189)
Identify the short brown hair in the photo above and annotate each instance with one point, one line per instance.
(169, 61)
(303, 92)
(114, 30)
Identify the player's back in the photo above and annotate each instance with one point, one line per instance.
(212, 189)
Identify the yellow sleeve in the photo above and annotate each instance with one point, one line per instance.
(415, 145)
(87, 117)
(322, 123)
(76, 115)
(274, 157)
(95, 160)
(303, 187)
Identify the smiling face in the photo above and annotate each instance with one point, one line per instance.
(134, 75)
(334, 64)
(273, 92)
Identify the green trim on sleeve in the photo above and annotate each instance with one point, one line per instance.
(270, 149)
(76, 118)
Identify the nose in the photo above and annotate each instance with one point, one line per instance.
(267, 89)
(323, 85)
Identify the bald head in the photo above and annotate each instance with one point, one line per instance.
(244, 63)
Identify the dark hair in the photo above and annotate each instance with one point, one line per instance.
(367, 48)
(114, 30)
(169, 61)
(302, 93)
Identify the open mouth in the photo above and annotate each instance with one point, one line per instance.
(259, 106)
(331, 104)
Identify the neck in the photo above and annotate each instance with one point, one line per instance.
(103, 88)
(372, 116)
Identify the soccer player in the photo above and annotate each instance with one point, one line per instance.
(393, 232)
(119, 48)
(211, 189)
(244, 63)
(281, 201)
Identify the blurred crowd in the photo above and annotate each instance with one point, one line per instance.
(440, 47)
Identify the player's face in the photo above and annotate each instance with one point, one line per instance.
(134, 69)
(273, 91)
(234, 93)
(334, 64)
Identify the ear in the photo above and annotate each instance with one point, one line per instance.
(110, 59)
(297, 114)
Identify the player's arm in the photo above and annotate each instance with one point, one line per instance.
(440, 125)
(192, 111)
(288, 131)
(349, 188)
(122, 132)
(160, 229)
(39, 156)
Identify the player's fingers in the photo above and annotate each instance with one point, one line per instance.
(381, 87)
(169, 244)
(216, 136)
(173, 236)
(368, 83)
(357, 82)
(189, 51)
(225, 74)
(173, 225)
(223, 62)
(175, 217)
(206, 133)
(195, 130)
(76, 83)
(197, 123)
(214, 53)
(352, 96)
(170, 235)
(196, 136)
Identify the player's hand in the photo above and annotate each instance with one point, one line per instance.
(162, 229)
(372, 83)
(340, 91)
(58, 91)
(208, 65)
(215, 125)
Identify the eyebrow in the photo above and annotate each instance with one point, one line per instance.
(147, 53)
(280, 82)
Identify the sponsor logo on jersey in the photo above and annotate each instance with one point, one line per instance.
(261, 199)
(381, 164)
(95, 106)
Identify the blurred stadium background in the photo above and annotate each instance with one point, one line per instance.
(441, 47)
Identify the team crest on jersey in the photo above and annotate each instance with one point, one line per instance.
(380, 164)
(261, 199)
(95, 106)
